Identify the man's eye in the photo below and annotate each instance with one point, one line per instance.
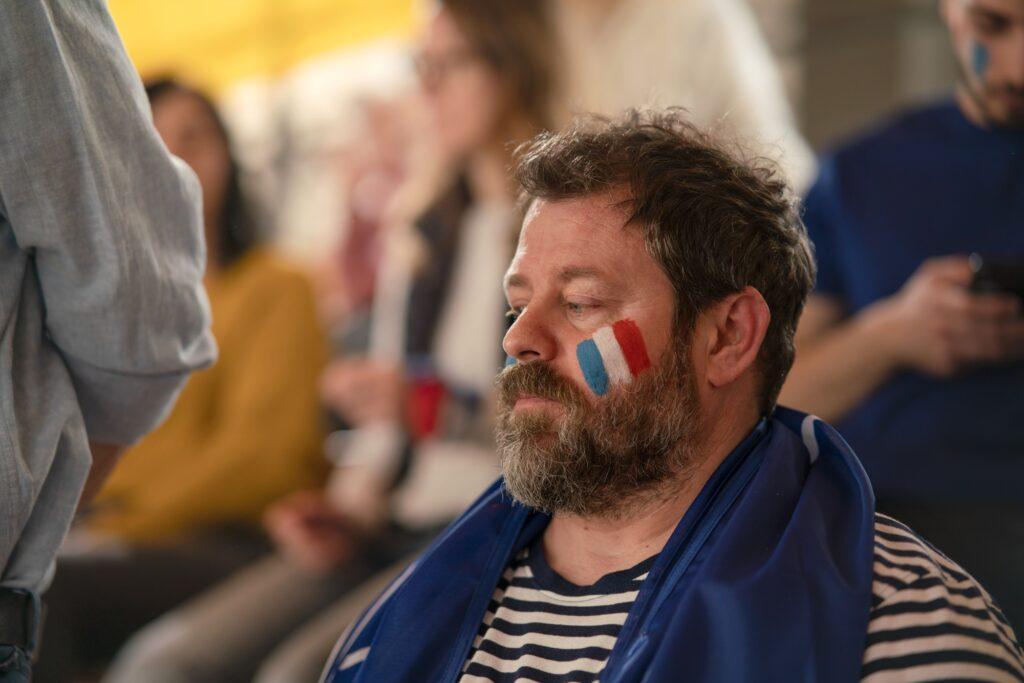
(513, 313)
(990, 24)
(577, 308)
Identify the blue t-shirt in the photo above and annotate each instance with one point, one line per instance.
(929, 183)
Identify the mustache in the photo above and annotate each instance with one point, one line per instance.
(1004, 89)
(537, 379)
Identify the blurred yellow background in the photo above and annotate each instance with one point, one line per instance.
(214, 43)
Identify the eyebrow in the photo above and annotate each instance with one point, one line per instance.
(564, 277)
(988, 13)
(514, 280)
(578, 273)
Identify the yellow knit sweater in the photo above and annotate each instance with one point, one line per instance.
(244, 432)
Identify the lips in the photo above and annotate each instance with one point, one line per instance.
(530, 401)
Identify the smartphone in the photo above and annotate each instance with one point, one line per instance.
(998, 274)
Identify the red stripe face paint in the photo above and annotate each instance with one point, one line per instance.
(633, 347)
(614, 355)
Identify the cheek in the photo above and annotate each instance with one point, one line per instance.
(978, 57)
(212, 171)
(614, 355)
(468, 110)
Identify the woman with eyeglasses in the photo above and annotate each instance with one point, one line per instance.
(417, 448)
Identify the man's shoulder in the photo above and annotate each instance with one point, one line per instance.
(881, 142)
(930, 619)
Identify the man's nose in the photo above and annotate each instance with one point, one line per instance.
(530, 338)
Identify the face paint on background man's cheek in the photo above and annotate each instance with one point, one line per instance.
(614, 355)
(979, 59)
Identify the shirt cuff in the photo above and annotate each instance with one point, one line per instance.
(119, 408)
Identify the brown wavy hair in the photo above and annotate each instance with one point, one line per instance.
(715, 220)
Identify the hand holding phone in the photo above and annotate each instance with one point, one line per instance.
(993, 275)
(942, 323)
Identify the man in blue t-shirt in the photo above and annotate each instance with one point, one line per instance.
(924, 377)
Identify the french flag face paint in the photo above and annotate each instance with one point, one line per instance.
(614, 355)
(979, 59)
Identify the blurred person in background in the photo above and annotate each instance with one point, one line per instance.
(707, 56)
(922, 375)
(182, 508)
(420, 446)
(102, 309)
(371, 170)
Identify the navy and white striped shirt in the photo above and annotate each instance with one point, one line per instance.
(541, 627)
(930, 620)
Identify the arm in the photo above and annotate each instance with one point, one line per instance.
(372, 455)
(933, 325)
(112, 220)
(839, 362)
(939, 627)
(267, 438)
(840, 359)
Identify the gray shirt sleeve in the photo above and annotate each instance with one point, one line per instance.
(112, 220)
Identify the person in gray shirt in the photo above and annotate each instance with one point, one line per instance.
(102, 310)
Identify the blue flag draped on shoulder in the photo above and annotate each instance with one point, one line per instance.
(766, 578)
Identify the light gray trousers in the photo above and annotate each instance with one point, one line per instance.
(270, 623)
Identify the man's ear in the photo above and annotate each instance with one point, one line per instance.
(736, 327)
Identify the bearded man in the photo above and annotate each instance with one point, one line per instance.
(658, 518)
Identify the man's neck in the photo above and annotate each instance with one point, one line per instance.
(583, 549)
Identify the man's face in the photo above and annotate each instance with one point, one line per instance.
(578, 270)
(988, 36)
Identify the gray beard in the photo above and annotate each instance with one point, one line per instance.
(632, 447)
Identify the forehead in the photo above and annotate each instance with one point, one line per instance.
(180, 108)
(442, 32)
(581, 234)
(1011, 9)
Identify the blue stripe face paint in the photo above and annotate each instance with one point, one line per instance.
(593, 367)
(509, 361)
(979, 59)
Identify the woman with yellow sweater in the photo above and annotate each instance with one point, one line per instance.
(244, 432)
(182, 508)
